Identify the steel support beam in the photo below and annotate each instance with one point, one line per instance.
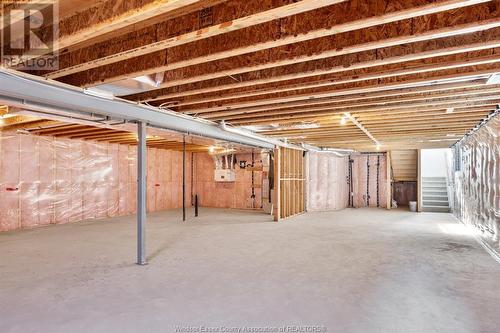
(20, 90)
(141, 193)
(184, 178)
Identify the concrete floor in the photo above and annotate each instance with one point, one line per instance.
(363, 270)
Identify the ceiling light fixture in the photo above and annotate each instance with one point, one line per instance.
(494, 79)
(339, 150)
(450, 110)
(150, 80)
(99, 93)
(306, 126)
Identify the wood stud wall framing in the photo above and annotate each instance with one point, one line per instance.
(291, 170)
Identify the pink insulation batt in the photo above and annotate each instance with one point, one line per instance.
(326, 182)
(327, 185)
(236, 195)
(46, 180)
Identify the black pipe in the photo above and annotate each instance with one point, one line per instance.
(192, 178)
(378, 180)
(253, 181)
(368, 180)
(351, 185)
(196, 205)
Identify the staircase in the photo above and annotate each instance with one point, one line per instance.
(435, 195)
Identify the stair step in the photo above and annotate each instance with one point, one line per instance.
(436, 209)
(437, 190)
(427, 197)
(436, 193)
(435, 203)
(433, 185)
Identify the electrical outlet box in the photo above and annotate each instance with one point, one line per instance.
(224, 175)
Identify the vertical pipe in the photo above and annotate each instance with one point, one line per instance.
(306, 177)
(367, 180)
(141, 193)
(192, 178)
(253, 181)
(349, 178)
(389, 182)
(419, 180)
(196, 205)
(378, 179)
(184, 178)
(271, 176)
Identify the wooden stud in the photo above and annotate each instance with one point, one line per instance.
(277, 185)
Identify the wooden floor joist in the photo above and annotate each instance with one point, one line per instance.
(175, 97)
(226, 27)
(416, 116)
(354, 79)
(383, 95)
(329, 50)
(306, 114)
(386, 101)
(308, 38)
(371, 86)
(441, 64)
(109, 16)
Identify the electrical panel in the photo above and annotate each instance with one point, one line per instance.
(224, 167)
(225, 175)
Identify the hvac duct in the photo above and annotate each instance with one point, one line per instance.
(22, 88)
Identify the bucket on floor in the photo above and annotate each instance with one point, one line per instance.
(413, 206)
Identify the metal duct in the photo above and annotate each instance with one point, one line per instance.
(31, 89)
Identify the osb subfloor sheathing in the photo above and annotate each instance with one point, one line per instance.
(356, 270)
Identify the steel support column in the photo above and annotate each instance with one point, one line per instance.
(184, 178)
(141, 193)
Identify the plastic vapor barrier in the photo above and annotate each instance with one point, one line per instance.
(326, 182)
(246, 192)
(46, 180)
(477, 181)
(369, 180)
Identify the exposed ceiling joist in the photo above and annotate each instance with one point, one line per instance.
(416, 73)
(309, 38)
(236, 24)
(340, 80)
(379, 85)
(175, 97)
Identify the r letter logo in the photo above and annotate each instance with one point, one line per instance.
(29, 34)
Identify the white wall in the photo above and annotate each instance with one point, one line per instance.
(435, 162)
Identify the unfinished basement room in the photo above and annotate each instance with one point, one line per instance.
(250, 166)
